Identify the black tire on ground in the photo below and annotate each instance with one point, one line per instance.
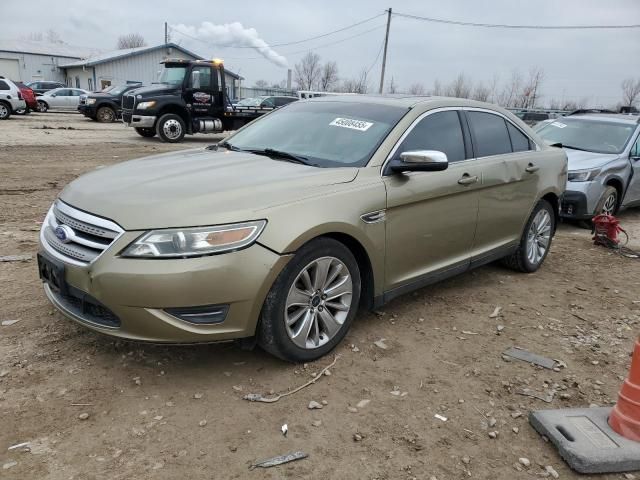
(42, 106)
(5, 110)
(146, 132)
(519, 260)
(170, 128)
(609, 197)
(271, 331)
(22, 111)
(106, 115)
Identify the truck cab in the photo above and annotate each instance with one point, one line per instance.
(190, 97)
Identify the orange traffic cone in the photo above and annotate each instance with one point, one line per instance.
(625, 416)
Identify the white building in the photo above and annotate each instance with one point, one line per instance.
(26, 60)
(140, 64)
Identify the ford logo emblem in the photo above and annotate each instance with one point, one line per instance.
(63, 233)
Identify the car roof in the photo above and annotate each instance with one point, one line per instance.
(407, 101)
(613, 117)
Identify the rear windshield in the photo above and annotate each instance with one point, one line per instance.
(328, 134)
(599, 136)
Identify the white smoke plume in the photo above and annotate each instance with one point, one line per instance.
(232, 34)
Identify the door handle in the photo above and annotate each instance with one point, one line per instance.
(531, 168)
(467, 180)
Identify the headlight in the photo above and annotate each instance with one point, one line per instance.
(192, 242)
(583, 175)
(145, 105)
(91, 101)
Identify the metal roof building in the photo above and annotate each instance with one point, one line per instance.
(130, 65)
(27, 60)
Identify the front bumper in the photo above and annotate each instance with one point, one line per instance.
(87, 110)
(139, 121)
(129, 298)
(580, 200)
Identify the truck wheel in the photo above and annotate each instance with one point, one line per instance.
(105, 115)
(42, 106)
(146, 132)
(5, 110)
(170, 128)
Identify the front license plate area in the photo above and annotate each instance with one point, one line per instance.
(52, 273)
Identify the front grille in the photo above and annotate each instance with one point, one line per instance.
(86, 308)
(75, 236)
(126, 117)
(128, 101)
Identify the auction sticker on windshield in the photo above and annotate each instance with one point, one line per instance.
(559, 124)
(359, 125)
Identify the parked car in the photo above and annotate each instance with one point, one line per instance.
(40, 87)
(532, 118)
(61, 99)
(266, 101)
(283, 231)
(10, 98)
(604, 162)
(105, 106)
(29, 97)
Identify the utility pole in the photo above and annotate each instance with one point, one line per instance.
(384, 55)
(166, 33)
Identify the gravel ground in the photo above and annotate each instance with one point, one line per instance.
(92, 407)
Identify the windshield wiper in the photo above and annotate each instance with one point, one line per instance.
(575, 148)
(270, 152)
(223, 144)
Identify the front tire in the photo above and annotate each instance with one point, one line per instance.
(42, 106)
(170, 128)
(105, 115)
(5, 110)
(535, 241)
(146, 132)
(608, 203)
(312, 303)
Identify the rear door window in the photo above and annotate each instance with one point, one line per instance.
(490, 134)
(519, 141)
(4, 85)
(439, 131)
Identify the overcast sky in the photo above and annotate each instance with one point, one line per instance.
(577, 64)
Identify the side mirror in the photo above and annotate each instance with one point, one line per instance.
(195, 79)
(54, 94)
(420, 161)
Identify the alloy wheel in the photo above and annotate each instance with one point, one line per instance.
(4, 111)
(539, 237)
(172, 129)
(609, 206)
(318, 302)
(106, 115)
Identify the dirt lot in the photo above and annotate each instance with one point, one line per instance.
(147, 404)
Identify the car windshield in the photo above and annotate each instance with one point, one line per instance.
(117, 90)
(326, 134)
(172, 74)
(250, 102)
(599, 136)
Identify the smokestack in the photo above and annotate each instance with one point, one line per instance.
(289, 79)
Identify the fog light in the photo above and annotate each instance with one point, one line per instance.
(202, 315)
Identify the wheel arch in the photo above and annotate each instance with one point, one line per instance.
(554, 200)
(176, 110)
(618, 184)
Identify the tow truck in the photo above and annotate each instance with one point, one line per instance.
(190, 97)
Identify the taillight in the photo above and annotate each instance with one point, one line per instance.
(19, 95)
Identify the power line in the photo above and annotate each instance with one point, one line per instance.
(297, 42)
(502, 25)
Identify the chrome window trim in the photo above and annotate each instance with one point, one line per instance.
(446, 109)
(83, 217)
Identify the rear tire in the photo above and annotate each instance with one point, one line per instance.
(5, 110)
(318, 289)
(146, 132)
(106, 115)
(535, 241)
(170, 128)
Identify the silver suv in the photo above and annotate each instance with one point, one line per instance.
(604, 162)
(10, 98)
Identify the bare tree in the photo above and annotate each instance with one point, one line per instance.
(261, 84)
(437, 90)
(357, 85)
(493, 88)
(393, 88)
(307, 71)
(131, 40)
(630, 91)
(328, 76)
(481, 93)
(530, 92)
(509, 95)
(416, 89)
(460, 87)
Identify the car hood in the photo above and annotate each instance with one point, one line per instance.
(155, 89)
(197, 187)
(580, 160)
